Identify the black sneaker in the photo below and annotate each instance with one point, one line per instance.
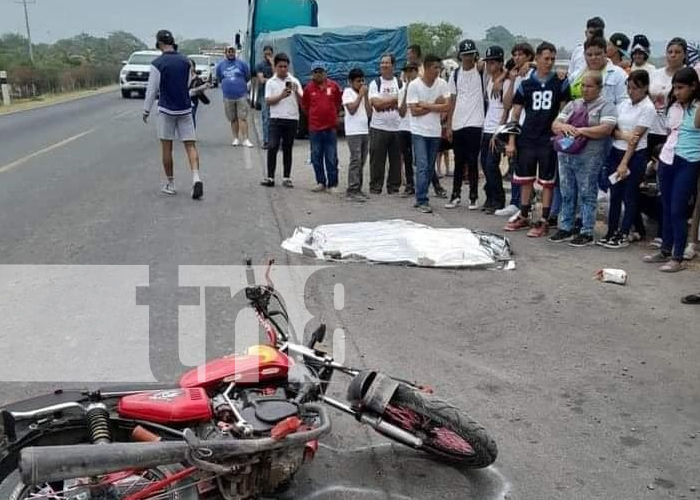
(441, 193)
(578, 225)
(581, 240)
(604, 240)
(425, 208)
(197, 190)
(267, 182)
(407, 193)
(561, 236)
(618, 241)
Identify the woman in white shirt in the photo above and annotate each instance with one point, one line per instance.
(660, 88)
(627, 160)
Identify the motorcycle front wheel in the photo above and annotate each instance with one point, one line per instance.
(121, 485)
(446, 431)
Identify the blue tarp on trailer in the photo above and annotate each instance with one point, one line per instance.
(341, 49)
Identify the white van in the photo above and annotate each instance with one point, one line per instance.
(134, 74)
(205, 67)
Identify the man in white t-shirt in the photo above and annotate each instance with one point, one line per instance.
(428, 97)
(357, 113)
(384, 129)
(282, 95)
(465, 121)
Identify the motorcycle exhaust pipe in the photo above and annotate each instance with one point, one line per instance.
(45, 464)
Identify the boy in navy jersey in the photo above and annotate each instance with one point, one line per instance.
(542, 95)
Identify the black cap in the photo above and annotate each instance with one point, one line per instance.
(641, 40)
(494, 53)
(165, 37)
(621, 41)
(467, 46)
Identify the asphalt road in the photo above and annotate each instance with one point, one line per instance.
(590, 390)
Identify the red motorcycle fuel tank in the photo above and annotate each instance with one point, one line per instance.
(167, 407)
(260, 364)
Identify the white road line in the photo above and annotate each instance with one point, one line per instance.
(20, 161)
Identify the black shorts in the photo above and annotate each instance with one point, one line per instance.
(536, 163)
(445, 145)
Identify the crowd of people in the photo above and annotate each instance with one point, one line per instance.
(609, 123)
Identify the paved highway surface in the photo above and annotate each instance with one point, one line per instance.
(590, 390)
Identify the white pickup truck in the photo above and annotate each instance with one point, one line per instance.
(133, 76)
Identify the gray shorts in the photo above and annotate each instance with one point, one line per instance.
(173, 128)
(236, 109)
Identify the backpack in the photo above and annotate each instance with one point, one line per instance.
(378, 83)
(573, 145)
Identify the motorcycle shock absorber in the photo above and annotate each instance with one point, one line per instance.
(97, 418)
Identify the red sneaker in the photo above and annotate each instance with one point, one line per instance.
(539, 230)
(517, 225)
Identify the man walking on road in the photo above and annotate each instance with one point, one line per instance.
(169, 80)
(264, 71)
(234, 76)
(428, 97)
(321, 101)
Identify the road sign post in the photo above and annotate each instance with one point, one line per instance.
(5, 88)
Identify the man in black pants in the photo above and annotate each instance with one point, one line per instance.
(465, 122)
(282, 94)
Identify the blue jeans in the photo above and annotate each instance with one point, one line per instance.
(265, 113)
(514, 187)
(678, 182)
(625, 191)
(578, 184)
(492, 171)
(324, 146)
(425, 151)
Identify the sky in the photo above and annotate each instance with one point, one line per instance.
(221, 19)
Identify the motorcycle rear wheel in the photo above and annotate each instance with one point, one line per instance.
(13, 488)
(447, 432)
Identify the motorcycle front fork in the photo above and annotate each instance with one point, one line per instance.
(376, 422)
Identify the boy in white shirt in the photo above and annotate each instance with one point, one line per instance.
(428, 97)
(282, 94)
(357, 113)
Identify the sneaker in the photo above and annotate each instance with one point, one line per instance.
(635, 236)
(364, 195)
(656, 258)
(474, 205)
(169, 189)
(673, 266)
(604, 240)
(486, 206)
(539, 230)
(518, 224)
(236, 143)
(509, 211)
(454, 203)
(441, 193)
(356, 197)
(267, 182)
(425, 209)
(318, 188)
(334, 190)
(656, 243)
(248, 144)
(561, 235)
(376, 191)
(197, 190)
(407, 193)
(618, 241)
(582, 240)
(288, 183)
(490, 210)
(690, 251)
(514, 217)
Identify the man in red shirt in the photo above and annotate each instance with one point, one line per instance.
(321, 102)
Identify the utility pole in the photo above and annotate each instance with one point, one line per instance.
(29, 34)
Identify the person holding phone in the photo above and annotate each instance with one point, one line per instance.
(283, 95)
(627, 160)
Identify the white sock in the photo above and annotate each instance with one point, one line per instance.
(195, 176)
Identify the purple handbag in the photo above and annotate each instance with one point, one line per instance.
(573, 145)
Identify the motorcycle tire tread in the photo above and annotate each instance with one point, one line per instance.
(485, 449)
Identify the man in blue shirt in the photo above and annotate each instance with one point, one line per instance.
(169, 81)
(234, 76)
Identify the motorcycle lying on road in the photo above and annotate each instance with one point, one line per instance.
(237, 428)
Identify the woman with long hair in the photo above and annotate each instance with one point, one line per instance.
(679, 178)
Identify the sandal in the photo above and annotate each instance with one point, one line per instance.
(691, 299)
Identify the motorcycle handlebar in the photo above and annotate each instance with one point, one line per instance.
(44, 464)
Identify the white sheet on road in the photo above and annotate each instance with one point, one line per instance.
(402, 242)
